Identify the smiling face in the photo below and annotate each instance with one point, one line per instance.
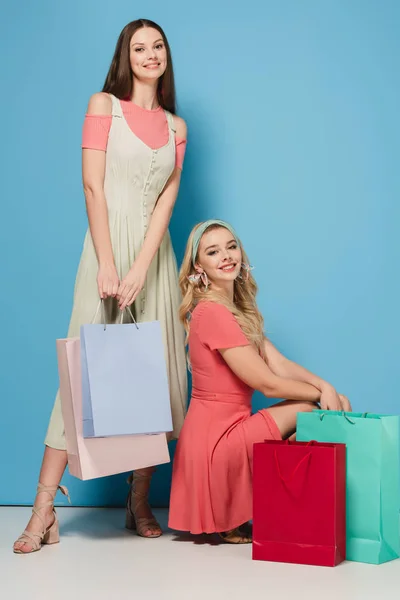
(220, 257)
(148, 54)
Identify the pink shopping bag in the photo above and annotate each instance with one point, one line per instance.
(98, 457)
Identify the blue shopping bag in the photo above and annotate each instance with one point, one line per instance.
(124, 380)
(373, 496)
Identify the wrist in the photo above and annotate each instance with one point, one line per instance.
(324, 387)
(141, 263)
(106, 264)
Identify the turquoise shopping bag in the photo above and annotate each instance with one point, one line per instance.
(373, 491)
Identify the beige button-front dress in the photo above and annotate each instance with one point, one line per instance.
(135, 176)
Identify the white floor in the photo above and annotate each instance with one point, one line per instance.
(98, 559)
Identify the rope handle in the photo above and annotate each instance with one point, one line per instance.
(103, 315)
(297, 467)
(363, 416)
(307, 456)
(295, 443)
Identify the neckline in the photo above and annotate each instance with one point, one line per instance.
(170, 136)
(136, 106)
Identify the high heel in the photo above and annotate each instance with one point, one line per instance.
(48, 535)
(52, 535)
(135, 499)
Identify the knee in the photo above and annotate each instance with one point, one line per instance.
(306, 406)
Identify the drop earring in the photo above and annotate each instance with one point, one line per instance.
(204, 279)
(246, 268)
(194, 278)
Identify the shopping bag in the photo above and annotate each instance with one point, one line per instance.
(98, 457)
(299, 503)
(125, 387)
(373, 496)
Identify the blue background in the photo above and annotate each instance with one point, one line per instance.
(293, 116)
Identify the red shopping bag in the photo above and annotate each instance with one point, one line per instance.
(299, 502)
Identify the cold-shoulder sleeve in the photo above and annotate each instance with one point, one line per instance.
(180, 145)
(217, 327)
(95, 132)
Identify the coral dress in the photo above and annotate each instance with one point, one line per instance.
(212, 475)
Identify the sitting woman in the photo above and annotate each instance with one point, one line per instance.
(230, 358)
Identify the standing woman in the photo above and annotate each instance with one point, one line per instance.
(133, 149)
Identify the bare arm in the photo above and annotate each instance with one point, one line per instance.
(163, 211)
(283, 367)
(248, 365)
(93, 172)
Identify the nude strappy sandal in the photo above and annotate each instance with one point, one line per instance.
(49, 535)
(134, 500)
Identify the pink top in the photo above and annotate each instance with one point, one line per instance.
(151, 126)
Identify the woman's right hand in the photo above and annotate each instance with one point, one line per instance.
(345, 402)
(330, 399)
(107, 281)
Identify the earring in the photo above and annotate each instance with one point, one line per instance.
(194, 278)
(246, 268)
(204, 279)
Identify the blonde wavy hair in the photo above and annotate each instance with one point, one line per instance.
(244, 306)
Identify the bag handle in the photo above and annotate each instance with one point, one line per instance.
(103, 315)
(294, 443)
(297, 467)
(364, 416)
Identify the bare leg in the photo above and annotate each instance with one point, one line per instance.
(285, 415)
(139, 507)
(53, 467)
(142, 486)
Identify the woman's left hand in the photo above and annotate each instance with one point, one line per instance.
(131, 285)
(330, 399)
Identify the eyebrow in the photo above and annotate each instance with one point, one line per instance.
(143, 44)
(216, 245)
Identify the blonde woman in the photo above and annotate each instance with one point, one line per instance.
(230, 358)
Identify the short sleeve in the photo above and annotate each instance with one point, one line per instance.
(218, 329)
(180, 145)
(95, 132)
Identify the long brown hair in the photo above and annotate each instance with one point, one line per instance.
(119, 80)
(244, 305)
